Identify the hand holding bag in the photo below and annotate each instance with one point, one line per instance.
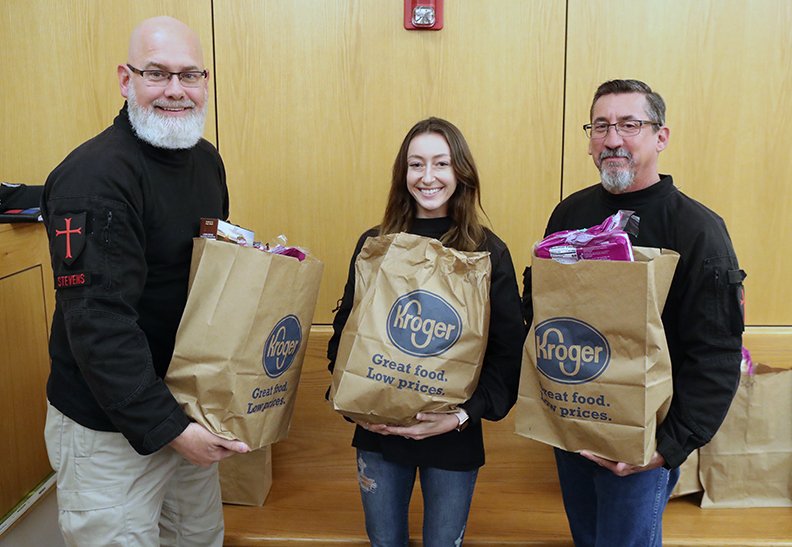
(417, 333)
(242, 339)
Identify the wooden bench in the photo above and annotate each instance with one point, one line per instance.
(315, 499)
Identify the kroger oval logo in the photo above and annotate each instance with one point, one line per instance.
(281, 346)
(570, 351)
(422, 324)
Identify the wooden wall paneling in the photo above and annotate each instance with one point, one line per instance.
(724, 68)
(315, 97)
(23, 246)
(26, 305)
(58, 64)
(769, 345)
(59, 88)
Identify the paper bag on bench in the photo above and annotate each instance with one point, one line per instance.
(689, 482)
(241, 341)
(416, 336)
(748, 463)
(596, 372)
(246, 479)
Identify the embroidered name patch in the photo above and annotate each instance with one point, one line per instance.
(80, 279)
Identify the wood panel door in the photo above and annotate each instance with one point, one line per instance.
(59, 88)
(58, 65)
(315, 96)
(26, 306)
(724, 69)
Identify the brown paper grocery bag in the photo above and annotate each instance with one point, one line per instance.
(417, 333)
(246, 479)
(596, 372)
(242, 338)
(748, 463)
(688, 482)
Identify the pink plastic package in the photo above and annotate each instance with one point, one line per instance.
(281, 247)
(606, 241)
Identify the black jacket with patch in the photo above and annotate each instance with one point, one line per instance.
(120, 215)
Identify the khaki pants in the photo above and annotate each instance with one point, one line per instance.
(108, 494)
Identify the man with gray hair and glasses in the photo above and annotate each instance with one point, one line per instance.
(614, 504)
(121, 211)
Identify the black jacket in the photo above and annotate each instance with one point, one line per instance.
(703, 315)
(120, 216)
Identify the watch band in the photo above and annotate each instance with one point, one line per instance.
(463, 418)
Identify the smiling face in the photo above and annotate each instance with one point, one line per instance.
(166, 44)
(430, 177)
(626, 164)
(170, 116)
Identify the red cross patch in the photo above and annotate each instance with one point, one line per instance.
(68, 236)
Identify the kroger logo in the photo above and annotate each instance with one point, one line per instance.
(570, 351)
(422, 324)
(281, 346)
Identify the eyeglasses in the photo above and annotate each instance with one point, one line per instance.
(625, 128)
(160, 78)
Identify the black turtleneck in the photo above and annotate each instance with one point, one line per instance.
(496, 392)
(113, 335)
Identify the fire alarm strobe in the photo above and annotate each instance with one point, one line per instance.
(423, 14)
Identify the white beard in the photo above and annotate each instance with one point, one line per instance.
(617, 181)
(164, 131)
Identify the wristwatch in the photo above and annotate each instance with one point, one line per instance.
(462, 416)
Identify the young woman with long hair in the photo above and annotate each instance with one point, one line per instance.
(435, 193)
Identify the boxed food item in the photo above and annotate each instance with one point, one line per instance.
(214, 228)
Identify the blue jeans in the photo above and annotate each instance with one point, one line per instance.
(386, 487)
(605, 510)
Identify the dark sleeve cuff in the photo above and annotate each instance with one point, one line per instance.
(173, 426)
(671, 451)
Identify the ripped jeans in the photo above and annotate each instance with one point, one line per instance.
(386, 487)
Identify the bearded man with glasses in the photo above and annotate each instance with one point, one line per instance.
(121, 211)
(614, 504)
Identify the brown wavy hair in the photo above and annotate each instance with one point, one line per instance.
(467, 233)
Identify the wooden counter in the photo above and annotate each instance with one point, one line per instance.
(26, 304)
